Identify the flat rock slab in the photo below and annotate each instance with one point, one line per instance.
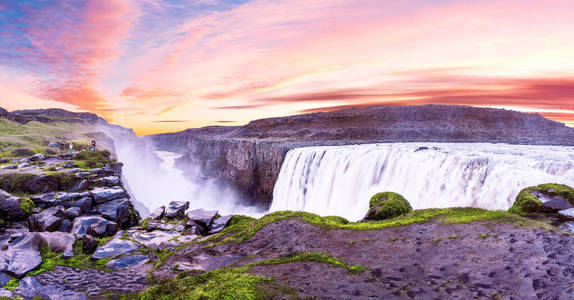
(80, 225)
(219, 224)
(95, 282)
(127, 262)
(152, 239)
(115, 248)
(101, 194)
(115, 210)
(22, 256)
(30, 287)
(201, 216)
(566, 214)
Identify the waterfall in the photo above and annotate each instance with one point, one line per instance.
(340, 180)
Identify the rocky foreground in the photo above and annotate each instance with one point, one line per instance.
(250, 157)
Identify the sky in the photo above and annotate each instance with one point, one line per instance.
(167, 65)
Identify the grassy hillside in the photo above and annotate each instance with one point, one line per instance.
(36, 136)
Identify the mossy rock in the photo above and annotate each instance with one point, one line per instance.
(15, 182)
(21, 152)
(92, 159)
(387, 205)
(527, 202)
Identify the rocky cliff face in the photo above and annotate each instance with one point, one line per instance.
(250, 156)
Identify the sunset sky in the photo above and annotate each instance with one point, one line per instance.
(168, 65)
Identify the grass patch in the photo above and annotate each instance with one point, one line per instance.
(91, 160)
(80, 260)
(27, 205)
(232, 283)
(12, 284)
(66, 180)
(243, 228)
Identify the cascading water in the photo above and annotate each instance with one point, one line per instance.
(339, 180)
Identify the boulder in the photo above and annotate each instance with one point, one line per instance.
(49, 219)
(80, 225)
(74, 212)
(127, 262)
(176, 209)
(41, 184)
(102, 228)
(83, 185)
(89, 243)
(157, 214)
(10, 207)
(102, 194)
(66, 226)
(566, 214)
(37, 157)
(192, 228)
(21, 256)
(115, 248)
(116, 210)
(201, 216)
(387, 205)
(108, 181)
(219, 224)
(555, 204)
(85, 203)
(61, 242)
(46, 200)
(160, 226)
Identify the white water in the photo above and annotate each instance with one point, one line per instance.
(340, 180)
(153, 180)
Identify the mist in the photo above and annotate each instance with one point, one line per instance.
(153, 179)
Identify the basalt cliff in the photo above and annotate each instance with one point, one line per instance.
(250, 157)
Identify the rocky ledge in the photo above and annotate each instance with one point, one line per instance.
(250, 157)
(79, 224)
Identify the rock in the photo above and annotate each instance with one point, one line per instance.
(555, 204)
(89, 243)
(66, 226)
(4, 279)
(102, 195)
(22, 255)
(386, 206)
(84, 203)
(24, 166)
(157, 214)
(127, 262)
(152, 239)
(9, 167)
(46, 200)
(192, 228)
(566, 214)
(115, 248)
(10, 207)
(61, 242)
(54, 145)
(201, 216)
(567, 226)
(219, 224)
(6, 293)
(116, 210)
(49, 219)
(30, 288)
(74, 212)
(160, 226)
(176, 209)
(80, 225)
(83, 185)
(102, 228)
(41, 184)
(37, 157)
(108, 181)
(68, 198)
(83, 175)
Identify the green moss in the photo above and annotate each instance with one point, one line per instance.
(387, 205)
(232, 283)
(27, 205)
(80, 260)
(66, 180)
(483, 236)
(242, 228)
(14, 182)
(145, 224)
(526, 202)
(12, 284)
(22, 152)
(90, 160)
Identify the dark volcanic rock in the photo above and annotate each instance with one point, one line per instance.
(30, 288)
(250, 157)
(49, 219)
(102, 228)
(41, 184)
(555, 204)
(10, 207)
(80, 225)
(219, 224)
(102, 195)
(176, 209)
(116, 210)
(201, 216)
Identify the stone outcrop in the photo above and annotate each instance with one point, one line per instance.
(250, 157)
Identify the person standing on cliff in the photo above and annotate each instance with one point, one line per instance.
(93, 145)
(71, 148)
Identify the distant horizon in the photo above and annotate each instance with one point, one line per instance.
(168, 65)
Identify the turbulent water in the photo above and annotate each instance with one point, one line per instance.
(340, 180)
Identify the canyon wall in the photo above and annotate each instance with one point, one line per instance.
(250, 157)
